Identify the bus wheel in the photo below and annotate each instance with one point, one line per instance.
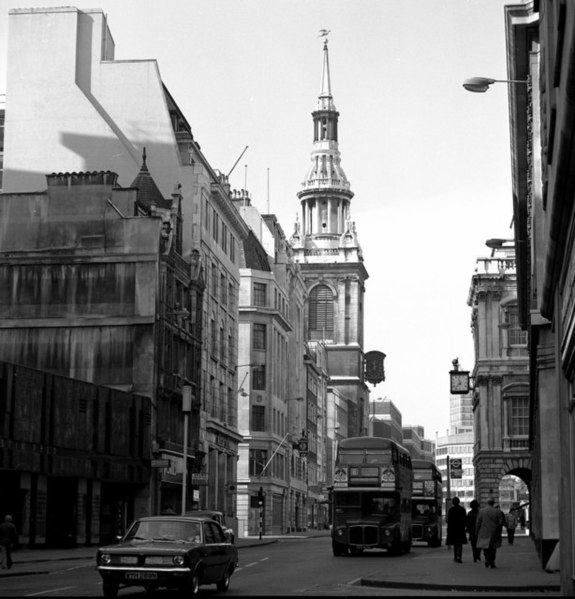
(338, 548)
(395, 549)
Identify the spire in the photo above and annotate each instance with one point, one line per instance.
(148, 192)
(326, 231)
(325, 100)
(325, 171)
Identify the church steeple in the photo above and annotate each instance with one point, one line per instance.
(326, 194)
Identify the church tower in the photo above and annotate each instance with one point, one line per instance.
(326, 246)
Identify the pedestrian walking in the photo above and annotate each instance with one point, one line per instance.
(489, 526)
(471, 523)
(456, 525)
(8, 540)
(511, 524)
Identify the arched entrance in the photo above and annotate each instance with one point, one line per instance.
(490, 473)
(514, 494)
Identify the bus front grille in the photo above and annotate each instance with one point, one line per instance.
(363, 535)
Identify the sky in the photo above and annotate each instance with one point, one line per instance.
(428, 162)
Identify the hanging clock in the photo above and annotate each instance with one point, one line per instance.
(459, 380)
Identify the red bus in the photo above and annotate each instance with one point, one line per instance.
(371, 498)
(426, 503)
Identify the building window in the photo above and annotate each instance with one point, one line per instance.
(222, 353)
(223, 290)
(216, 227)
(230, 348)
(258, 459)
(231, 297)
(259, 336)
(259, 294)
(320, 311)
(213, 337)
(232, 408)
(206, 215)
(214, 280)
(259, 377)
(516, 335)
(258, 418)
(518, 410)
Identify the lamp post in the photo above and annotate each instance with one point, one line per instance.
(481, 84)
(186, 409)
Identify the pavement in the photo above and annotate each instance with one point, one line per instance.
(518, 567)
(518, 570)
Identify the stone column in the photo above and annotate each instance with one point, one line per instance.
(340, 328)
(353, 312)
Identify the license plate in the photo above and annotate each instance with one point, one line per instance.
(141, 575)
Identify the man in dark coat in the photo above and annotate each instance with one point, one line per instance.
(471, 529)
(8, 539)
(489, 526)
(456, 525)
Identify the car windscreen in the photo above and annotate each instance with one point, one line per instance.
(164, 530)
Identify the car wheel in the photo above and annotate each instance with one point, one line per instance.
(224, 583)
(193, 586)
(110, 590)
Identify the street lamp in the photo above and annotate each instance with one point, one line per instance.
(241, 389)
(496, 243)
(186, 409)
(481, 84)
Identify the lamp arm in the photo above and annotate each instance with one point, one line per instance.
(240, 386)
(273, 454)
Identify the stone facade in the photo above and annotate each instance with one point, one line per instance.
(500, 374)
(99, 113)
(540, 54)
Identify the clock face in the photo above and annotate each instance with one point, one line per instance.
(459, 382)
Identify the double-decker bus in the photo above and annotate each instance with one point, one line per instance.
(426, 503)
(371, 497)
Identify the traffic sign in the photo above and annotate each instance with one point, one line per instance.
(455, 468)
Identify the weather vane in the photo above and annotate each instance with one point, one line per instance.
(324, 33)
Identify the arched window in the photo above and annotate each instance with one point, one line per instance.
(320, 312)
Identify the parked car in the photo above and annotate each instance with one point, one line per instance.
(219, 518)
(181, 552)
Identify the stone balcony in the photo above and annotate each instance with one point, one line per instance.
(495, 266)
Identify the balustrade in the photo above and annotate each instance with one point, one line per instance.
(515, 444)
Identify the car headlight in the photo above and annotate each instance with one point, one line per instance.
(105, 559)
(429, 529)
(340, 532)
(178, 560)
(387, 532)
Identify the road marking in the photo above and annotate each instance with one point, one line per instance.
(264, 559)
(51, 591)
(252, 564)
